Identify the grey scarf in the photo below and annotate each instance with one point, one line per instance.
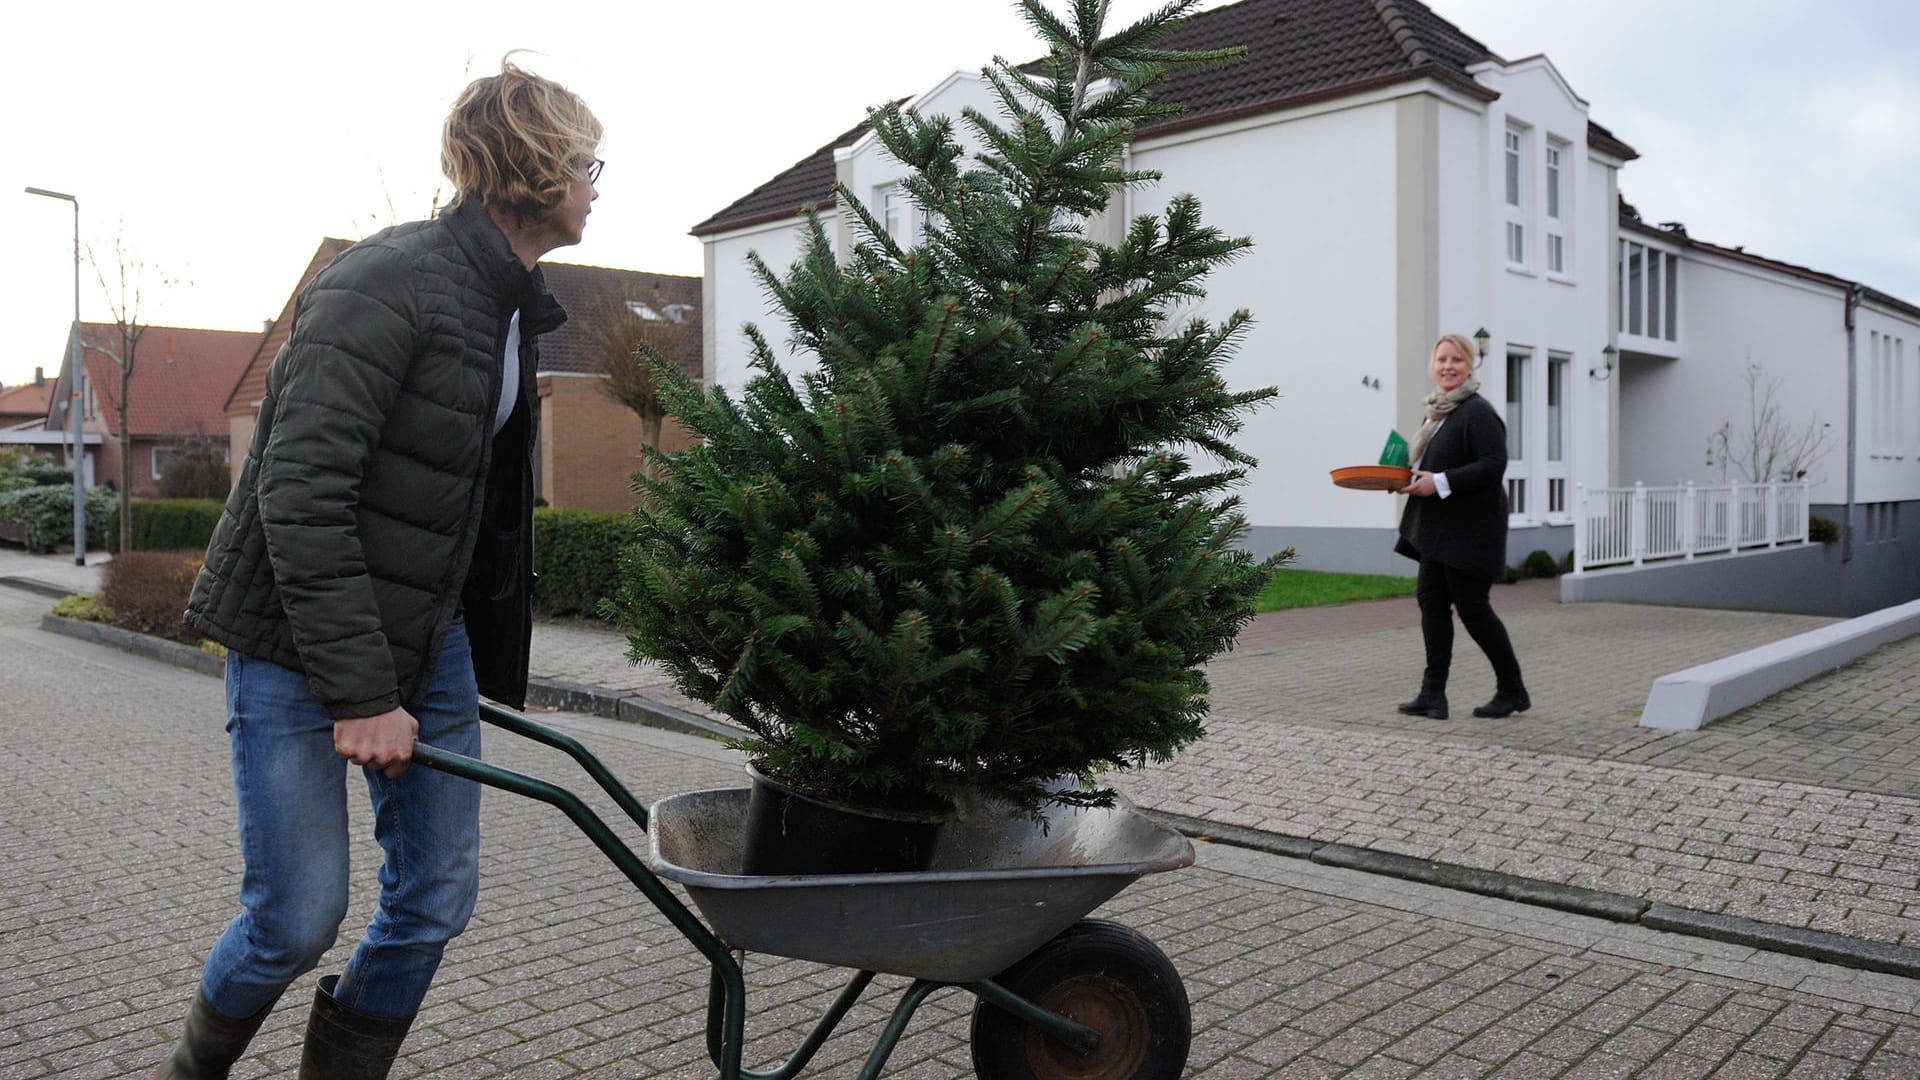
(1438, 406)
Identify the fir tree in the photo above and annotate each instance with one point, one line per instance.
(971, 550)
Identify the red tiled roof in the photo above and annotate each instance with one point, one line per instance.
(594, 293)
(1298, 51)
(181, 377)
(252, 385)
(25, 402)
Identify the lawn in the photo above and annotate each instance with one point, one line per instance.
(1308, 588)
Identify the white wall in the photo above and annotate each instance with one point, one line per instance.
(1889, 409)
(736, 298)
(1316, 195)
(1534, 309)
(1733, 315)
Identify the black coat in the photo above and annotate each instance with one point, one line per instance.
(375, 500)
(1467, 530)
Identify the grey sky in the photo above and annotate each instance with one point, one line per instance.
(226, 139)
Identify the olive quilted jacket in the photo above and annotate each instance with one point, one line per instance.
(375, 501)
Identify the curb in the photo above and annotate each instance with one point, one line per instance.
(632, 708)
(1818, 945)
(32, 585)
(153, 648)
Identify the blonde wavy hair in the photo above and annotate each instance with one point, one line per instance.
(1459, 342)
(516, 141)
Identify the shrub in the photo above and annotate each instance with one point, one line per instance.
(577, 555)
(1566, 562)
(47, 475)
(47, 513)
(170, 524)
(197, 472)
(148, 590)
(83, 607)
(1822, 530)
(1539, 564)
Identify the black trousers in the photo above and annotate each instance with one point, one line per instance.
(1442, 590)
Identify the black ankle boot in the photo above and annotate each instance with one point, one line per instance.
(1505, 703)
(1428, 703)
(210, 1043)
(347, 1044)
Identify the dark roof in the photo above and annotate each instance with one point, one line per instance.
(592, 294)
(1298, 51)
(809, 180)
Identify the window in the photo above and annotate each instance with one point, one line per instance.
(1517, 363)
(1649, 292)
(1516, 197)
(1516, 405)
(1558, 365)
(164, 455)
(1556, 408)
(1559, 208)
(890, 200)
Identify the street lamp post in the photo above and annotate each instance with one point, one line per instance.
(77, 399)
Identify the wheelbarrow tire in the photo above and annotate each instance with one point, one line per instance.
(1101, 974)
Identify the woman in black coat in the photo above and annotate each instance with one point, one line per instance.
(1455, 526)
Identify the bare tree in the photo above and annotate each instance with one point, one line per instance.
(123, 301)
(1771, 447)
(628, 344)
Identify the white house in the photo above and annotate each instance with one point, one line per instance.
(1400, 181)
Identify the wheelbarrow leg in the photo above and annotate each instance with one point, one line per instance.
(720, 1033)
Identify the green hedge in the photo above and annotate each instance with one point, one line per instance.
(169, 524)
(47, 513)
(577, 554)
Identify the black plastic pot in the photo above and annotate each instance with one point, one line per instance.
(792, 833)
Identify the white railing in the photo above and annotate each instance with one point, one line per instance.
(1640, 523)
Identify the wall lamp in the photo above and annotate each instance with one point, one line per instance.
(1480, 340)
(1604, 371)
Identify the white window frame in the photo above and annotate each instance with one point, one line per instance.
(893, 209)
(157, 465)
(1557, 209)
(1513, 195)
(1656, 294)
(1556, 436)
(1519, 375)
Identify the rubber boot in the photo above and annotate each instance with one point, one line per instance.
(346, 1044)
(210, 1043)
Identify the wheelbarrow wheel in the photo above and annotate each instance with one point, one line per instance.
(1106, 976)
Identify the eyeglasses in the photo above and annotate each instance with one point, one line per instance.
(593, 170)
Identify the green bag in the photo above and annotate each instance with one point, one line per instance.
(1395, 452)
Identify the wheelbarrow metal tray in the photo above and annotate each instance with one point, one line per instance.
(999, 887)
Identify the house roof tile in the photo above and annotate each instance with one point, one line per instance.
(25, 402)
(181, 377)
(1297, 51)
(593, 294)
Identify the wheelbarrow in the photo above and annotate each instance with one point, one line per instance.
(999, 914)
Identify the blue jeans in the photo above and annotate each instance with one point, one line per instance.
(292, 801)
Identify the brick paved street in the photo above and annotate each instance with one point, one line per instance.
(118, 867)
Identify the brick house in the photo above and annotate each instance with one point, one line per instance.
(26, 403)
(181, 377)
(589, 443)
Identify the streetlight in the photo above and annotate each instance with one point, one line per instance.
(77, 398)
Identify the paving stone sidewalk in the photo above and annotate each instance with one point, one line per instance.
(1796, 813)
(119, 865)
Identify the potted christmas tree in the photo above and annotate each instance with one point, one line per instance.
(969, 553)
